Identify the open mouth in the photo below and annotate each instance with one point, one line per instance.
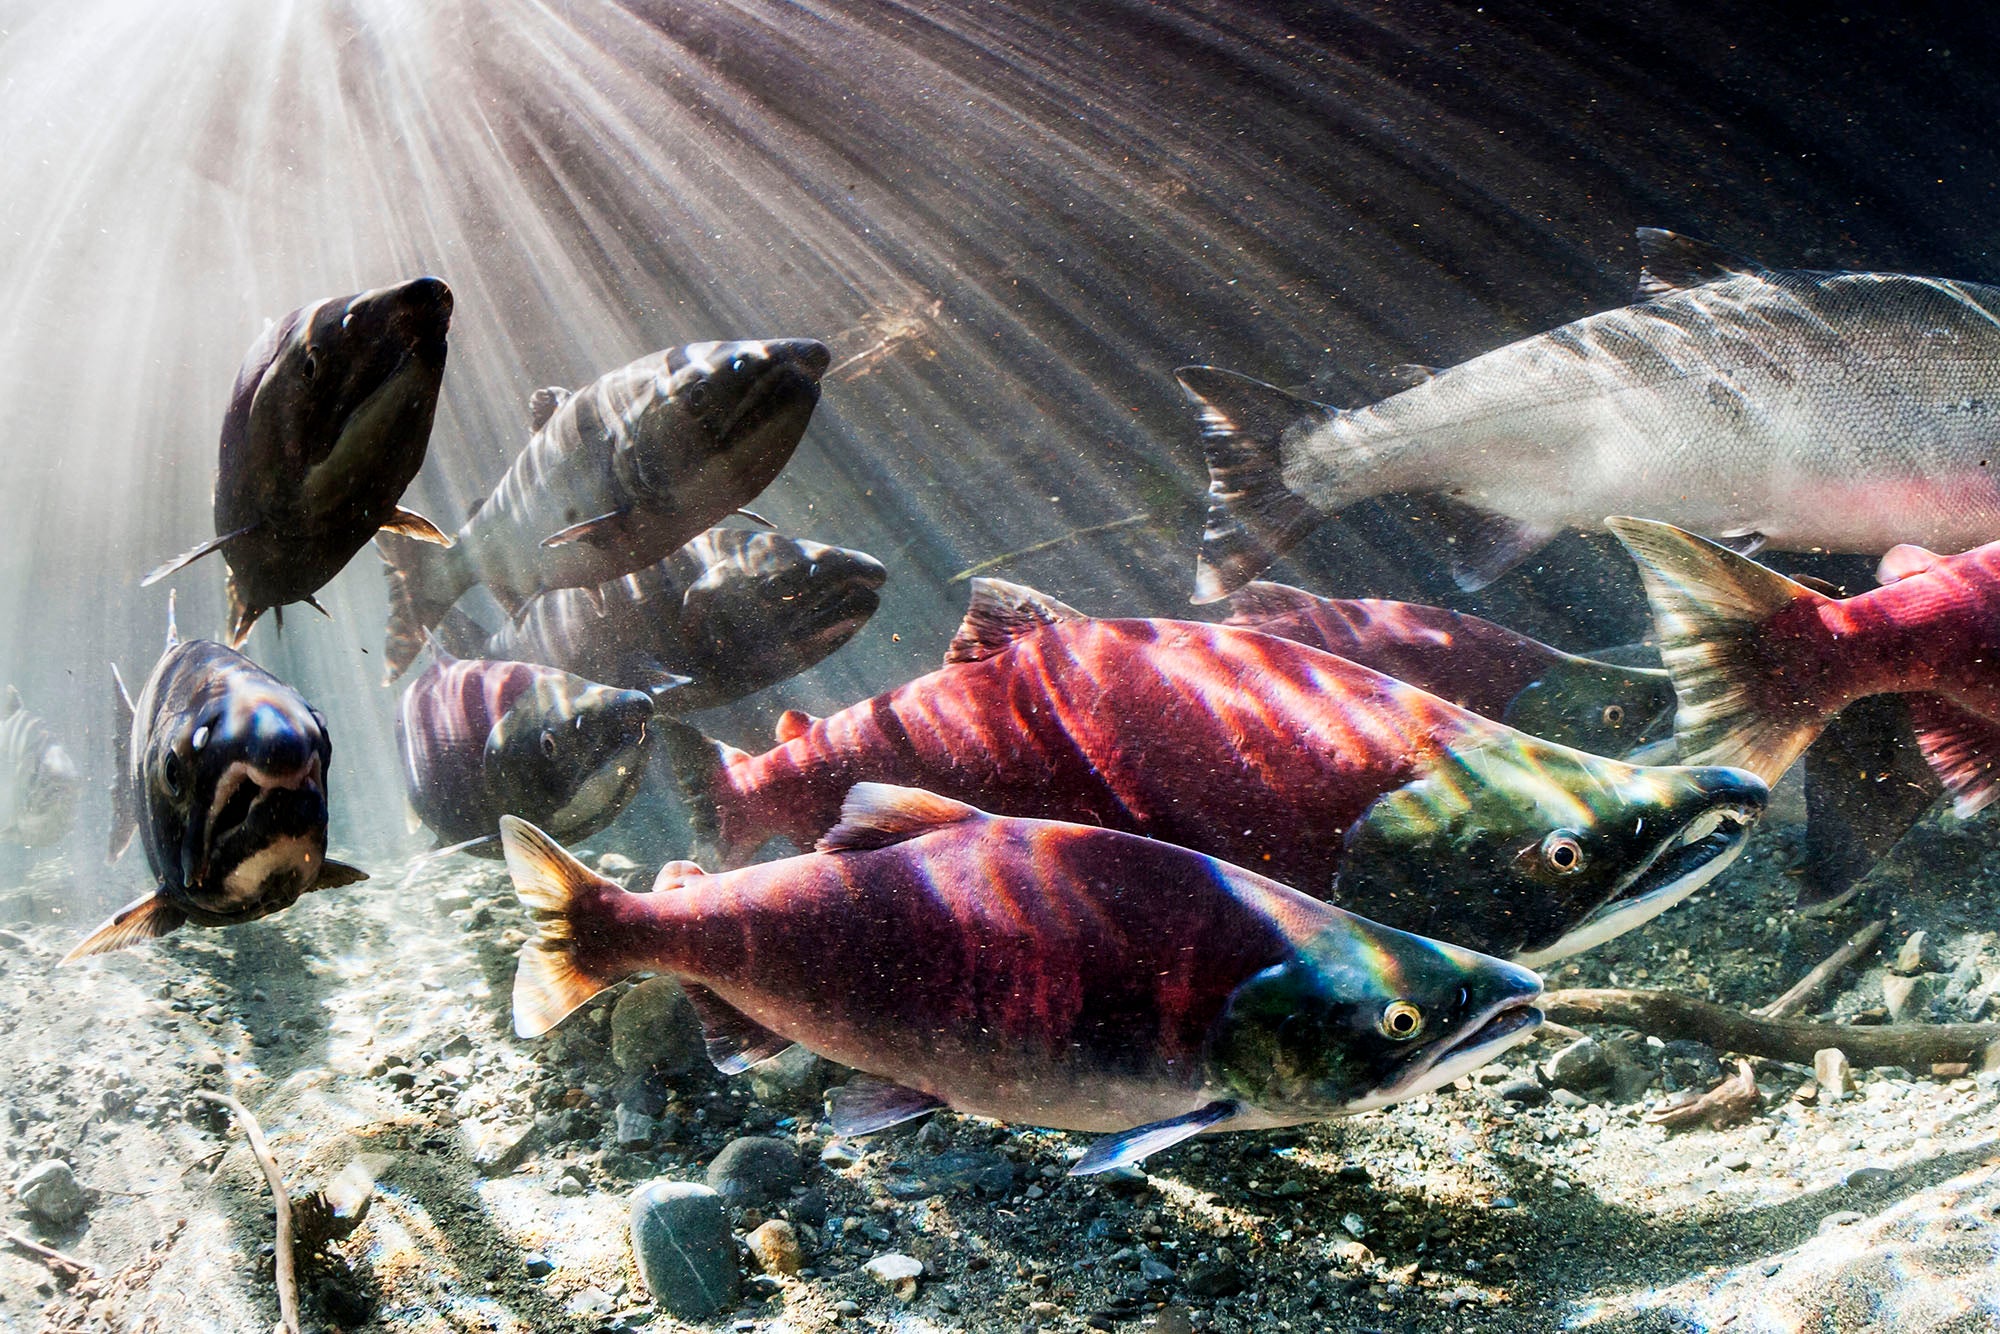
(1710, 842)
(244, 810)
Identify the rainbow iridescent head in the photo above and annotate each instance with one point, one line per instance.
(1535, 851)
(1363, 1016)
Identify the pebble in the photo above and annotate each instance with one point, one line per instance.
(1863, 1177)
(1845, 1218)
(1354, 1226)
(1213, 1278)
(839, 1154)
(681, 1239)
(793, 1078)
(653, 1027)
(1525, 1092)
(634, 1127)
(1583, 1064)
(776, 1245)
(537, 1264)
(1833, 1074)
(591, 1301)
(49, 1191)
(896, 1271)
(847, 1308)
(1917, 954)
(1153, 1271)
(754, 1170)
(1908, 999)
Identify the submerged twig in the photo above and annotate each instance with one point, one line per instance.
(1734, 1099)
(1811, 984)
(1664, 1015)
(1069, 536)
(288, 1283)
(48, 1254)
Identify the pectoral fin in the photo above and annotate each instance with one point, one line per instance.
(1124, 1150)
(188, 558)
(758, 519)
(602, 531)
(135, 923)
(333, 874)
(864, 1105)
(414, 525)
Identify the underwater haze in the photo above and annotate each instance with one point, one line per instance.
(846, 414)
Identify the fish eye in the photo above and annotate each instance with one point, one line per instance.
(549, 744)
(1562, 853)
(698, 396)
(311, 368)
(1614, 715)
(171, 772)
(1401, 1020)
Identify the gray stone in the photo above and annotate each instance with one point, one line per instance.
(680, 1237)
(1525, 1093)
(793, 1078)
(754, 1170)
(1908, 998)
(1213, 1278)
(839, 1153)
(1581, 1065)
(1917, 954)
(1833, 1074)
(50, 1192)
(634, 1128)
(653, 1027)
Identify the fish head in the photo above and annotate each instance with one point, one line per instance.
(570, 753)
(795, 598)
(724, 418)
(1363, 1015)
(235, 788)
(336, 398)
(1598, 707)
(1534, 851)
(48, 799)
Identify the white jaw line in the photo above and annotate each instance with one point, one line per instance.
(240, 772)
(1622, 915)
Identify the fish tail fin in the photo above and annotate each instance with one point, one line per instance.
(124, 792)
(700, 766)
(424, 582)
(1253, 517)
(1745, 692)
(550, 978)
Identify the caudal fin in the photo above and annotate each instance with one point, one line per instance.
(1743, 701)
(562, 894)
(1253, 517)
(422, 588)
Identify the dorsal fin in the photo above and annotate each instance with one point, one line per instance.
(13, 704)
(1900, 562)
(1001, 613)
(1266, 601)
(443, 656)
(675, 874)
(544, 403)
(173, 631)
(1670, 262)
(793, 724)
(1410, 374)
(876, 815)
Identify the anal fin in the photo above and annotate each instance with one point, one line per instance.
(1485, 545)
(734, 1040)
(138, 921)
(864, 1105)
(1866, 784)
(1963, 750)
(1127, 1149)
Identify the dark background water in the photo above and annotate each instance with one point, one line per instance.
(1041, 208)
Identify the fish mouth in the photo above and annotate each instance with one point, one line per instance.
(1507, 1024)
(253, 810)
(788, 382)
(1679, 867)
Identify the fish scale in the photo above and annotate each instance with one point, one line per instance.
(1808, 410)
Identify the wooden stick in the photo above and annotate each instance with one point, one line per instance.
(54, 1257)
(1810, 985)
(288, 1283)
(1664, 1015)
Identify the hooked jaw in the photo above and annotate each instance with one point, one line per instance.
(1728, 803)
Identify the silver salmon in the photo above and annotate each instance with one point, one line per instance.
(1811, 411)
